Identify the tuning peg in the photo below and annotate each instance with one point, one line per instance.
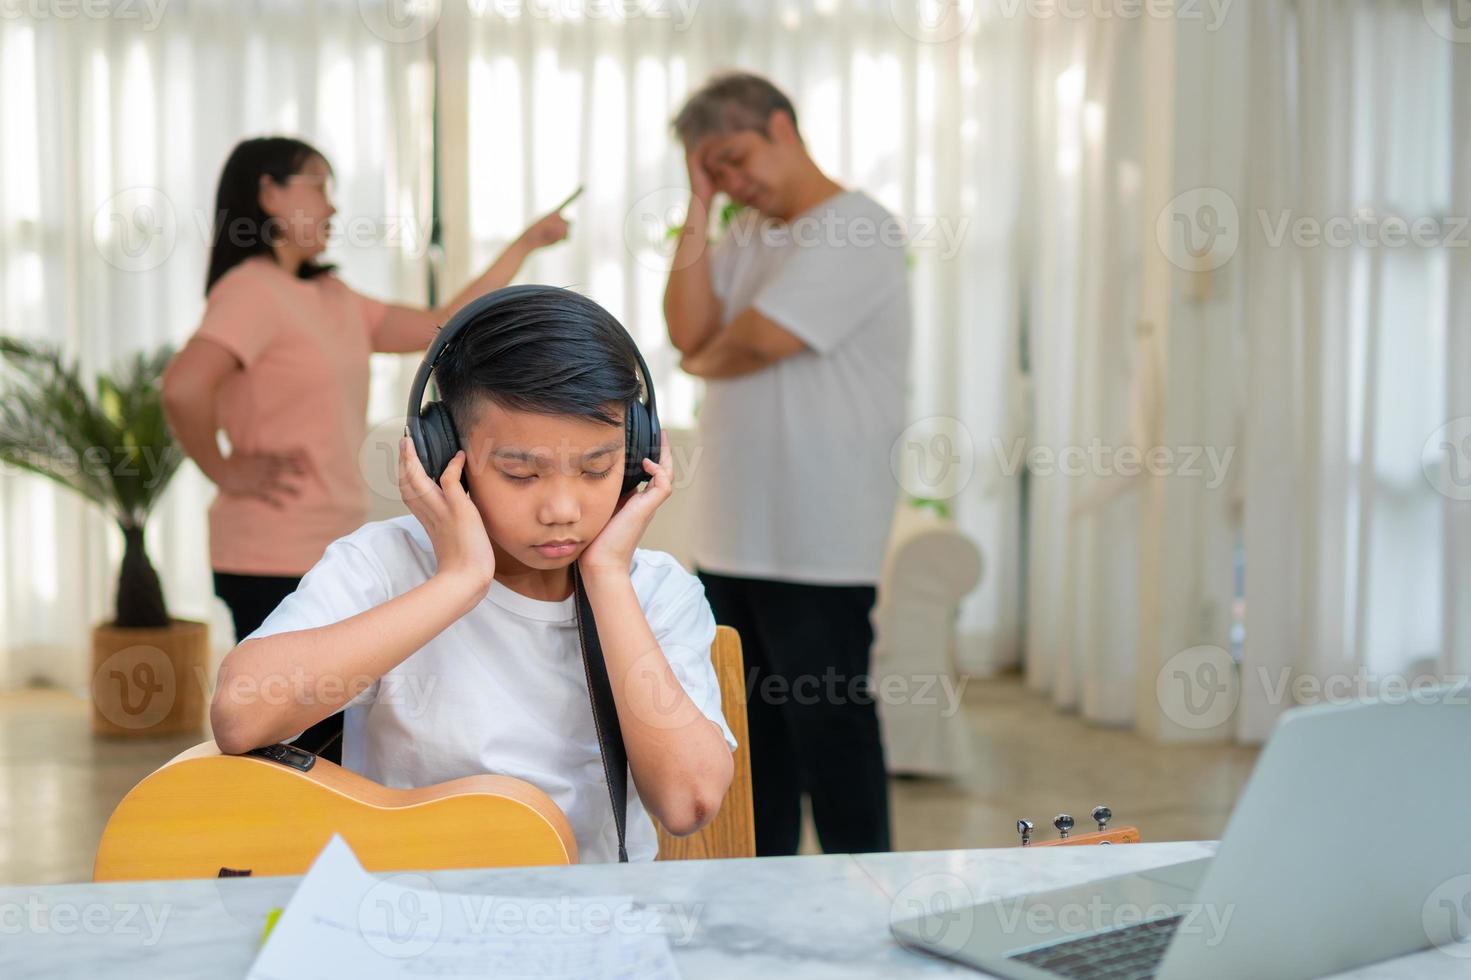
(1063, 823)
(1024, 827)
(1102, 815)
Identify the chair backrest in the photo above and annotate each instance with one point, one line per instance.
(733, 831)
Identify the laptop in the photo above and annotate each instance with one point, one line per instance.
(1349, 828)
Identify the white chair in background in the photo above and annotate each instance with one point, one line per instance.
(930, 567)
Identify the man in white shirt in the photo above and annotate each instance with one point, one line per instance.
(798, 319)
(450, 636)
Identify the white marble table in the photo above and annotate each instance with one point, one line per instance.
(791, 918)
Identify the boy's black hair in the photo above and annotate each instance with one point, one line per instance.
(550, 351)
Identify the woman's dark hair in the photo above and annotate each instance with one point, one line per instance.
(242, 228)
(550, 351)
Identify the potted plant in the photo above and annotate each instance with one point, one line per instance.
(111, 445)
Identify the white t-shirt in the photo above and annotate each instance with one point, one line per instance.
(501, 690)
(794, 480)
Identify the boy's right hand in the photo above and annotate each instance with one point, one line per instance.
(461, 544)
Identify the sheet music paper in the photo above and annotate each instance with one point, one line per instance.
(345, 922)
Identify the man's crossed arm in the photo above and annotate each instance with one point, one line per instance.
(748, 343)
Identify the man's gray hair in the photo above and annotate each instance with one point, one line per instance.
(730, 103)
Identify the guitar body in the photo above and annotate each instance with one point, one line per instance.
(206, 815)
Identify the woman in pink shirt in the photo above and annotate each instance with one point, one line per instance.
(280, 362)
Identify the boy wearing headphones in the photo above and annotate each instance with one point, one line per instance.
(450, 636)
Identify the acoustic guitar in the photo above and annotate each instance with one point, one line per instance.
(207, 815)
(1064, 824)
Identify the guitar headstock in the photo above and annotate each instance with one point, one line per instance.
(1065, 838)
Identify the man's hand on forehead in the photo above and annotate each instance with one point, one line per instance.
(712, 150)
(702, 178)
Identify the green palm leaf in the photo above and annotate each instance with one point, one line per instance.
(47, 424)
(111, 445)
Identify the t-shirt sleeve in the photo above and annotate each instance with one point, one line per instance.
(374, 313)
(722, 263)
(238, 315)
(827, 288)
(684, 627)
(403, 330)
(345, 582)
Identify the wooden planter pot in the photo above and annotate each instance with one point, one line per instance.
(149, 682)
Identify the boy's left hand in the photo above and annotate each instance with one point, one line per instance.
(612, 549)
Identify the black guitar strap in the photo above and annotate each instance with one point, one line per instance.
(604, 712)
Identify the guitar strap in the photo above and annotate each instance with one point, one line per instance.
(604, 712)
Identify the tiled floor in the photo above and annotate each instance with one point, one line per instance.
(58, 783)
(1033, 761)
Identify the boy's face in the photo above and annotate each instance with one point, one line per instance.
(542, 480)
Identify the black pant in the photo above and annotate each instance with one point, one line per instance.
(814, 723)
(251, 599)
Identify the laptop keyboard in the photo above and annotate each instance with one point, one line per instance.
(1128, 953)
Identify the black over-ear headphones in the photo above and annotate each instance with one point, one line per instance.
(433, 430)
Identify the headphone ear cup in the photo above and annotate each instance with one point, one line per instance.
(441, 441)
(638, 445)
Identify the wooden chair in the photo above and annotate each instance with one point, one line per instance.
(733, 831)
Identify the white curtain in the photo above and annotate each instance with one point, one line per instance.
(1356, 564)
(1090, 364)
(1457, 656)
(1354, 406)
(1015, 148)
(113, 132)
(925, 115)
